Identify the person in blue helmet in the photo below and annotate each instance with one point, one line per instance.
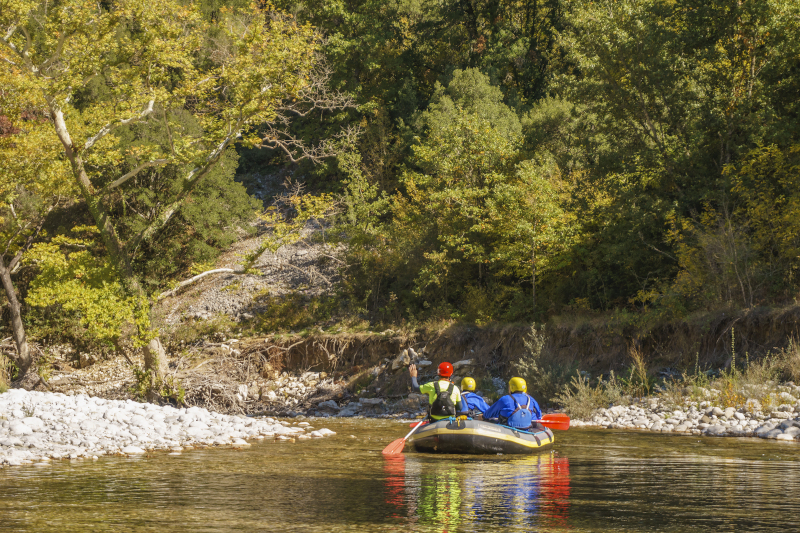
(476, 405)
(516, 409)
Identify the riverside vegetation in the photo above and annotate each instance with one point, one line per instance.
(616, 172)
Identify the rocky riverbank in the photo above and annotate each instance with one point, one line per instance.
(39, 426)
(702, 418)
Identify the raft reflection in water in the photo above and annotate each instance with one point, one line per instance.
(465, 494)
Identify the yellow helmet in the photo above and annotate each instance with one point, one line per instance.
(468, 384)
(517, 385)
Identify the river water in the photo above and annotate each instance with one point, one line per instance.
(593, 480)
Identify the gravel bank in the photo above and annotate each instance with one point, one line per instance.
(702, 418)
(39, 426)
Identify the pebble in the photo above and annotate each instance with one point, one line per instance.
(702, 418)
(38, 426)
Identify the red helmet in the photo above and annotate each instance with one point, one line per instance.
(445, 370)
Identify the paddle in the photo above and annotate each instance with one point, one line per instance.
(397, 446)
(555, 421)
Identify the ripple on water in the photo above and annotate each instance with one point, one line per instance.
(595, 480)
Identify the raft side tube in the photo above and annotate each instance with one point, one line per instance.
(478, 437)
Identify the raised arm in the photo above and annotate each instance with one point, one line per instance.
(412, 371)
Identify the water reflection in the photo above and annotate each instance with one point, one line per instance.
(453, 493)
(596, 481)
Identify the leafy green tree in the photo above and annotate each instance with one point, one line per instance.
(470, 91)
(666, 95)
(474, 217)
(159, 61)
(32, 183)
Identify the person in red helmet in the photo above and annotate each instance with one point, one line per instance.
(443, 395)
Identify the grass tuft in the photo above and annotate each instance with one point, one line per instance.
(5, 371)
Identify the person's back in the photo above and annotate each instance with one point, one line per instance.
(443, 395)
(475, 404)
(516, 409)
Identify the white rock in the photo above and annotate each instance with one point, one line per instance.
(33, 422)
(18, 428)
(132, 450)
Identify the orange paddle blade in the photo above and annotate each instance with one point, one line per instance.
(395, 447)
(563, 426)
(555, 421)
(556, 417)
(412, 424)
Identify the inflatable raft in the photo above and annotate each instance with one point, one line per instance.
(478, 437)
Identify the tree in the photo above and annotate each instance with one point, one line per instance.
(530, 223)
(102, 69)
(472, 92)
(475, 218)
(32, 183)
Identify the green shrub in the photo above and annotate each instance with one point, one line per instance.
(7, 370)
(579, 399)
(191, 331)
(292, 312)
(545, 376)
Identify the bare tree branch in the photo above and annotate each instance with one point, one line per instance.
(182, 284)
(111, 126)
(165, 214)
(131, 174)
(316, 97)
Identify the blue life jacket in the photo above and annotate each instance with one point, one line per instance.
(521, 417)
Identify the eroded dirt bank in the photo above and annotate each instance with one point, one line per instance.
(293, 374)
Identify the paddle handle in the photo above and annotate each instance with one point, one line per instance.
(413, 430)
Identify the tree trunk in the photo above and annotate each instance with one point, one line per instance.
(533, 274)
(23, 359)
(155, 360)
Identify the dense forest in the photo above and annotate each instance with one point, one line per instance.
(481, 160)
(525, 158)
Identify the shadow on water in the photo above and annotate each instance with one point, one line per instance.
(593, 481)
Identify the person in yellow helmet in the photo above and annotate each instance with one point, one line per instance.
(476, 405)
(515, 409)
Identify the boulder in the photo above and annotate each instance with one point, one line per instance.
(87, 359)
(463, 363)
(792, 431)
(132, 450)
(33, 422)
(783, 415)
(330, 407)
(401, 361)
(371, 401)
(716, 430)
(351, 409)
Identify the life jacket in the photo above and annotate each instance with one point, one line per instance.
(473, 412)
(521, 418)
(443, 405)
